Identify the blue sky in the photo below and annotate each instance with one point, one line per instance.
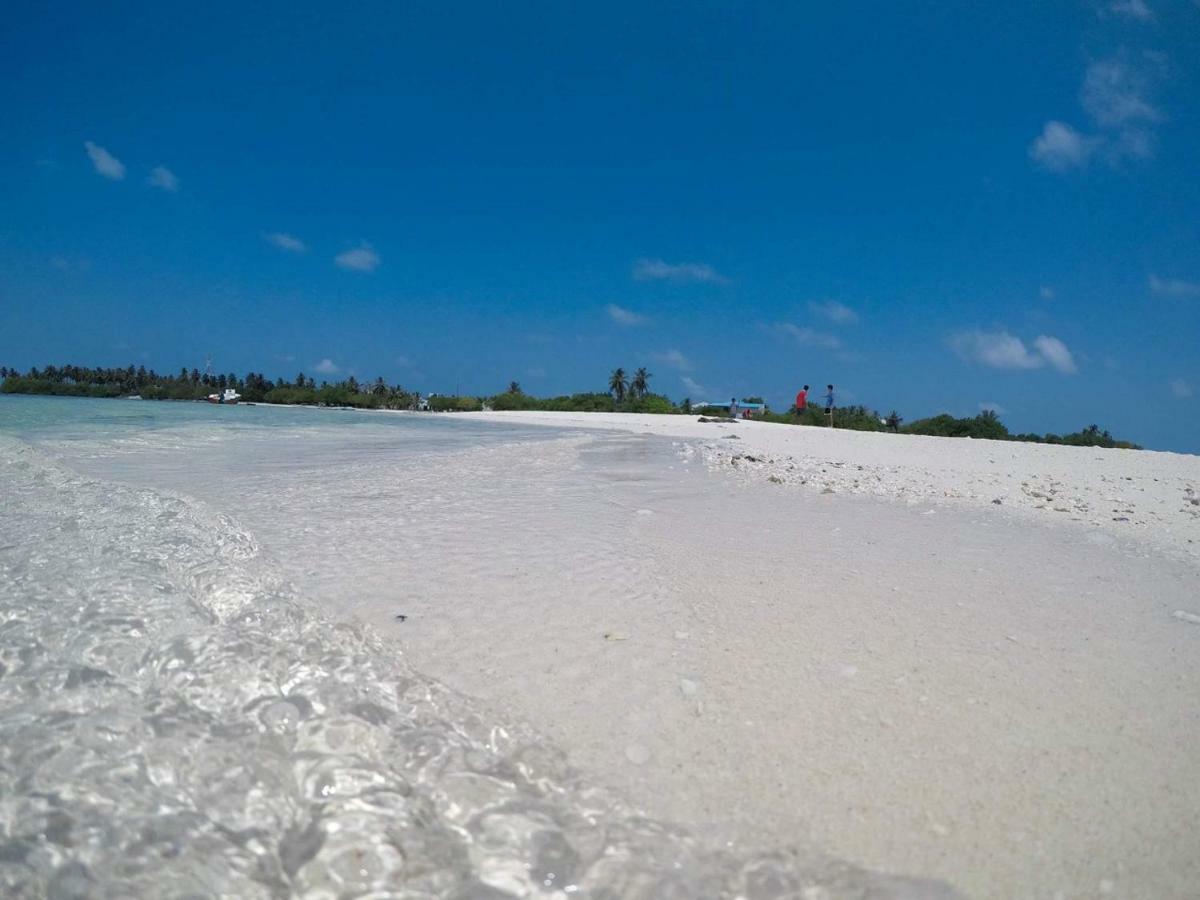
(935, 207)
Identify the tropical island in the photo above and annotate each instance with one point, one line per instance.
(625, 393)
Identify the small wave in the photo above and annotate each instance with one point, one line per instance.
(174, 722)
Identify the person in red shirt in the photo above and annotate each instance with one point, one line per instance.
(802, 401)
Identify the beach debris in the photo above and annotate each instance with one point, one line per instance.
(401, 617)
(1184, 616)
(774, 479)
(732, 437)
(615, 636)
(998, 502)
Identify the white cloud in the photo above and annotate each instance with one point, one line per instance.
(623, 316)
(1174, 287)
(1181, 388)
(835, 312)
(1114, 94)
(1060, 147)
(693, 386)
(994, 407)
(675, 359)
(326, 367)
(1056, 353)
(658, 270)
(286, 242)
(1001, 350)
(162, 177)
(104, 162)
(1133, 9)
(1046, 293)
(807, 337)
(997, 349)
(361, 259)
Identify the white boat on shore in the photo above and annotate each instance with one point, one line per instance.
(227, 397)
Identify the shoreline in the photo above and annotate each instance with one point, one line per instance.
(924, 685)
(1150, 495)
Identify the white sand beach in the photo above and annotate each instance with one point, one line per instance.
(778, 636)
(966, 659)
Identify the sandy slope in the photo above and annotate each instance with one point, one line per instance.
(1003, 696)
(1000, 695)
(1151, 495)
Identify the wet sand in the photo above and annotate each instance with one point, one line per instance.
(879, 662)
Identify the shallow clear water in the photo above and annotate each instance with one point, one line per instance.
(175, 720)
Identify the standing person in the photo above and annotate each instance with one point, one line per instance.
(733, 408)
(802, 401)
(829, 405)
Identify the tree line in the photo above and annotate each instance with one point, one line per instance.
(81, 381)
(625, 393)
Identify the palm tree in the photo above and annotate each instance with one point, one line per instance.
(514, 387)
(641, 382)
(617, 385)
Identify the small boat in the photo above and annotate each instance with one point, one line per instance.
(227, 397)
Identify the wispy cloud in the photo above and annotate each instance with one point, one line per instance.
(1181, 389)
(362, 258)
(1002, 350)
(1174, 287)
(1056, 353)
(163, 178)
(284, 241)
(623, 316)
(675, 359)
(1115, 94)
(692, 385)
(405, 362)
(835, 312)
(1046, 293)
(994, 407)
(807, 337)
(326, 367)
(1132, 9)
(1060, 147)
(535, 372)
(659, 270)
(104, 162)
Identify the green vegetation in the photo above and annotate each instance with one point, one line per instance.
(624, 394)
(987, 425)
(76, 381)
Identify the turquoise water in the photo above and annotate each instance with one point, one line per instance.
(77, 418)
(177, 721)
